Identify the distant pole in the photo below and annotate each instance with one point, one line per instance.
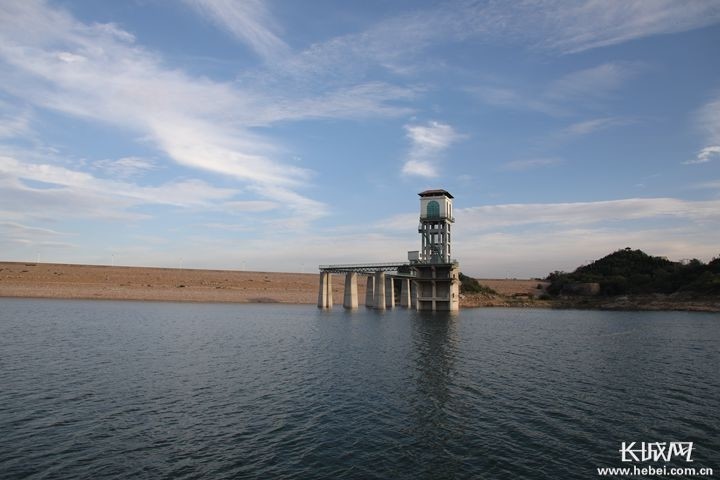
(112, 259)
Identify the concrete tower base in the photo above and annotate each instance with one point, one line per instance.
(438, 287)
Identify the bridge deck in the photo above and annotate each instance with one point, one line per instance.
(364, 267)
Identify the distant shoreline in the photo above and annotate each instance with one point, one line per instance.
(71, 281)
(93, 282)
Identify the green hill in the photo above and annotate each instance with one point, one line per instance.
(630, 271)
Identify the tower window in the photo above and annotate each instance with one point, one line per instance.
(433, 209)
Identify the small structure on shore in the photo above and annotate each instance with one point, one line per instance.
(429, 280)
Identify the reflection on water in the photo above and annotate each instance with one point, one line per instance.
(434, 345)
(160, 390)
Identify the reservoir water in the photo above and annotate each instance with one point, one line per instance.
(98, 389)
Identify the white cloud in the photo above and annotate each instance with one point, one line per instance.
(248, 20)
(428, 142)
(705, 155)
(420, 168)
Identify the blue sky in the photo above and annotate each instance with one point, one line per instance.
(279, 135)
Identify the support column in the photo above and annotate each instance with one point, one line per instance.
(390, 292)
(379, 301)
(413, 294)
(322, 290)
(405, 293)
(370, 292)
(329, 294)
(350, 299)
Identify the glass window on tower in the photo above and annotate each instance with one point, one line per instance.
(433, 209)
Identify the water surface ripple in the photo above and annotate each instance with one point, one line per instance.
(162, 390)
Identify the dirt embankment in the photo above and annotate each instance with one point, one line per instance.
(51, 280)
(46, 280)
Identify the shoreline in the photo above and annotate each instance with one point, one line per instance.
(101, 282)
(629, 303)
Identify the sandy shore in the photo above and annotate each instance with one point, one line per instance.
(51, 280)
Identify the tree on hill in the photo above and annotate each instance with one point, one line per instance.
(633, 271)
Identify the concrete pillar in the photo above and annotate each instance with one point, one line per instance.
(405, 293)
(390, 292)
(413, 294)
(329, 294)
(370, 292)
(379, 301)
(350, 299)
(322, 290)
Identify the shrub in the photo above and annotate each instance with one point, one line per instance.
(471, 285)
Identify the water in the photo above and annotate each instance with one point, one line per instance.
(92, 389)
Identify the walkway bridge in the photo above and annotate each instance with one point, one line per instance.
(365, 268)
(380, 289)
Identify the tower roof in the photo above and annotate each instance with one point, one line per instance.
(435, 193)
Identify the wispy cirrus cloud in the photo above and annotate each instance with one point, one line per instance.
(471, 220)
(97, 72)
(20, 231)
(709, 119)
(125, 167)
(579, 90)
(248, 20)
(14, 124)
(556, 26)
(427, 143)
(591, 83)
(586, 127)
(572, 27)
(41, 190)
(586, 213)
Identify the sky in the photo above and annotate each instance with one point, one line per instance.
(280, 135)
